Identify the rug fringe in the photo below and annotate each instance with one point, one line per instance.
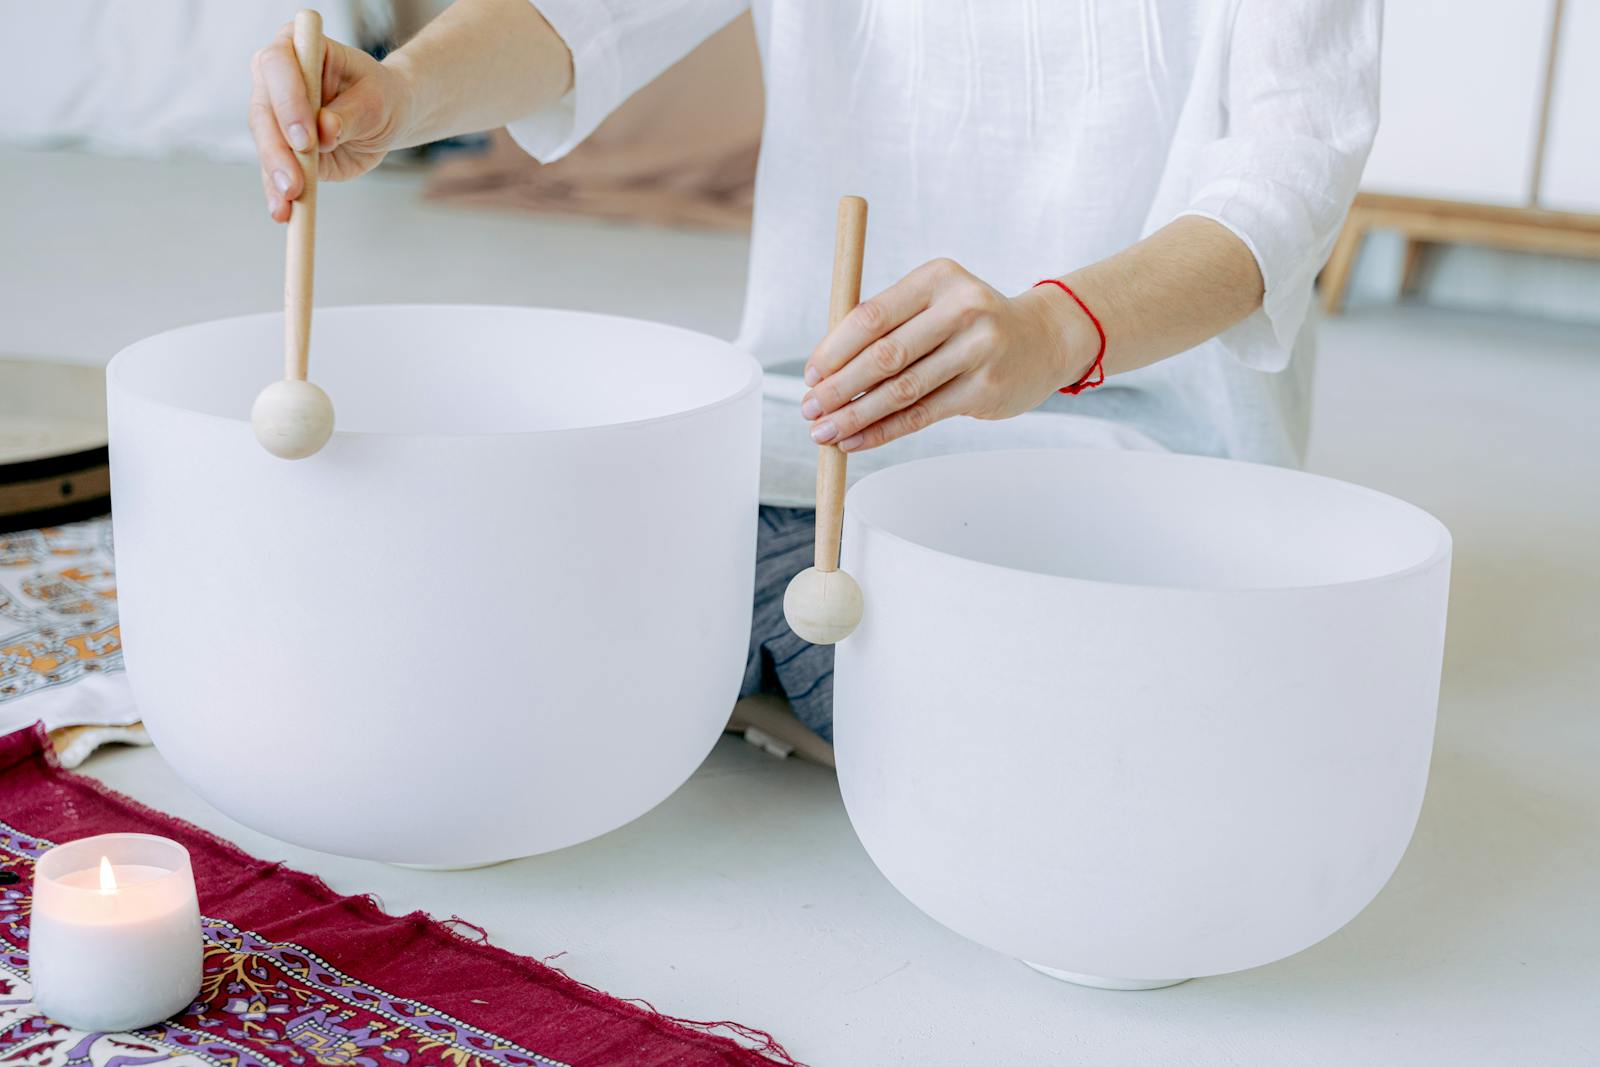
(751, 1039)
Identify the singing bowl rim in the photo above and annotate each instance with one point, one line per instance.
(865, 496)
(117, 372)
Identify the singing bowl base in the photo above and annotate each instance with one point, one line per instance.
(450, 866)
(1095, 981)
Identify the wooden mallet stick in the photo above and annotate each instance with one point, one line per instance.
(293, 418)
(823, 603)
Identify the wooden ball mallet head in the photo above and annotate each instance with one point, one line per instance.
(823, 603)
(293, 418)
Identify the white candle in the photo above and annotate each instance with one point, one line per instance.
(114, 940)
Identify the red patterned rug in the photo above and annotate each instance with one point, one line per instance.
(296, 974)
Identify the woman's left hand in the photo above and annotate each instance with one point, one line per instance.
(937, 343)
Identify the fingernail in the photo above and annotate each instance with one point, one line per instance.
(823, 432)
(298, 137)
(281, 180)
(812, 376)
(272, 208)
(853, 441)
(811, 409)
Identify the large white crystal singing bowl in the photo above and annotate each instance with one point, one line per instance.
(504, 610)
(1137, 717)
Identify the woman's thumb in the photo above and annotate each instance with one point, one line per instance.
(355, 115)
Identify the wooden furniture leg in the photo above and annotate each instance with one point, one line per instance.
(1410, 264)
(1336, 275)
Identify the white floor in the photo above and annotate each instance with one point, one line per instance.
(745, 895)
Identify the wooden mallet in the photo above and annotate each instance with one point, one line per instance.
(823, 603)
(293, 419)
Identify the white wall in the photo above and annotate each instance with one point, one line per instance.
(1462, 88)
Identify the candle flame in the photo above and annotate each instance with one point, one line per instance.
(108, 879)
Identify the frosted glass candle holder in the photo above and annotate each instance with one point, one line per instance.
(506, 609)
(114, 935)
(1137, 717)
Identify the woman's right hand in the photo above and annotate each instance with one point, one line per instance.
(365, 107)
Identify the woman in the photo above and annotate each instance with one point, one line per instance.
(1176, 170)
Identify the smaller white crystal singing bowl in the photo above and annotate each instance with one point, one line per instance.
(1136, 717)
(504, 610)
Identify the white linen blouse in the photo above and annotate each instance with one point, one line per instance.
(1024, 139)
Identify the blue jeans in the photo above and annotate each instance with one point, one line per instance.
(779, 662)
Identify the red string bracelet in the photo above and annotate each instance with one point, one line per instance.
(1097, 369)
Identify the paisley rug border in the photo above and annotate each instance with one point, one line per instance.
(556, 1018)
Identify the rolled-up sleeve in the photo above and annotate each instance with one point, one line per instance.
(1300, 109)
(618, 47)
